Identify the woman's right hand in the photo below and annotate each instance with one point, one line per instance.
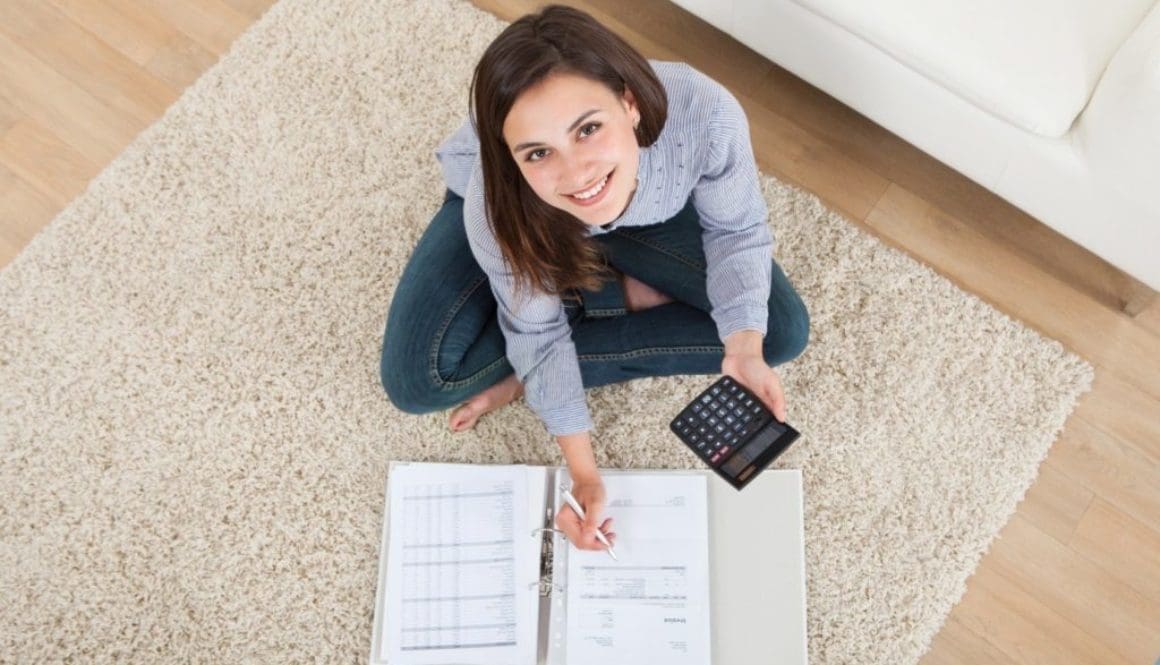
(589, 493)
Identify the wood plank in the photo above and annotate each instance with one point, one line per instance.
(123, 26)
(9, 114)
(833, 122)
(791, 154)
(254, 9)
(1026, 630)
(1118, 408)
(956, 644)
(46, 162)
(180, 61)
(1112, 469)
(1125, 547)
(212, 24)
(1149, 318)
(80, 120)
(1114, 613)
(1056, 503)
(1139, 299)
(78, 55)
(1001, 277)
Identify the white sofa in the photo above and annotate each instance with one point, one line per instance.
(1054, 105)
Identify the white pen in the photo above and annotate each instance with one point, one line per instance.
(571, 501)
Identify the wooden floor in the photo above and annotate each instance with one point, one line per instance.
(1075, 577)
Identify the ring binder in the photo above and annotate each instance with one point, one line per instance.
(773, 543)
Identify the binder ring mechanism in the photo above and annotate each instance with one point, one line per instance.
(547, 586)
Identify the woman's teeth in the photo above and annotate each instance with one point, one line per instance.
(592, 192)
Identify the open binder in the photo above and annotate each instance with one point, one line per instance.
(738, 595)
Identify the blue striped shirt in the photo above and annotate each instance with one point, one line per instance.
(703, 152)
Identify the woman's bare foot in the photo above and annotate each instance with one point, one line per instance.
(467, 414)
(638, 295)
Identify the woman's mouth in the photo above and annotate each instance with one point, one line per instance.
(593, 194)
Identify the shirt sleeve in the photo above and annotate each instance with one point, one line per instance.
(457, 156)
(535, 328)
(734, 220)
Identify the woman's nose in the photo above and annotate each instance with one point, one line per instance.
(584, 180)
(577, 173)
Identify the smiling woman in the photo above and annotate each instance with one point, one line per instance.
(589, 183)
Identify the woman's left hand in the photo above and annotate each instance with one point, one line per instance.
(750, 370)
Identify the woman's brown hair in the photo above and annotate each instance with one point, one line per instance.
(545, 247)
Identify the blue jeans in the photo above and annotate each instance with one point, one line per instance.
(443, 343)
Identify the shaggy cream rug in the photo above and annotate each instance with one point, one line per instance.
(194, 439)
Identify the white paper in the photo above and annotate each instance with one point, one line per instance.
(458, 557)
(652, 604)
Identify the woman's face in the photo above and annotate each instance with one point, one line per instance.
(573, 140)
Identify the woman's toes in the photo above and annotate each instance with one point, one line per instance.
(465, 416)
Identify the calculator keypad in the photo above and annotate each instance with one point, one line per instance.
(720, 419)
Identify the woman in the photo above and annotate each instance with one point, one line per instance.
(606, 224)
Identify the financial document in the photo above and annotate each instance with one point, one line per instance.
(455, 558)
(652, 605)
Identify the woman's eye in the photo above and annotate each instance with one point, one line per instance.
(589, 129)
(536, 155)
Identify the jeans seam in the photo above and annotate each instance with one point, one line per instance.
(664, 250)
(606, 312)
(651, 351)
(433, 356)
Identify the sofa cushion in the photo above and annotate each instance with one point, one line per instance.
(1033, 63)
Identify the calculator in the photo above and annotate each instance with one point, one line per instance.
(732, 431)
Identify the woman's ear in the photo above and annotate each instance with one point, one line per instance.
(630, 106)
